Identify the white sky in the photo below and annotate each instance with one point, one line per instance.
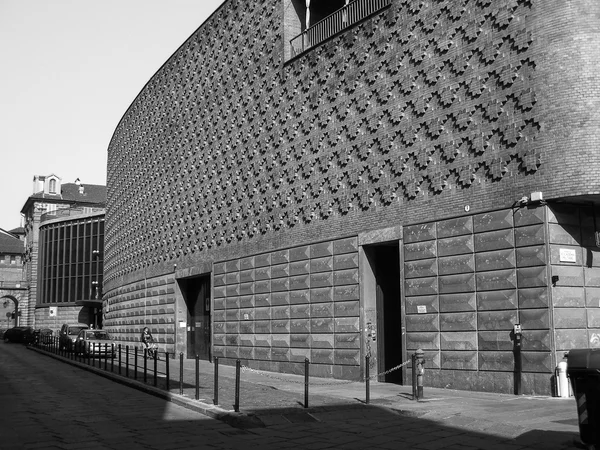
(68, 71)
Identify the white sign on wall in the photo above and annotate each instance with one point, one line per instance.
(568, 255)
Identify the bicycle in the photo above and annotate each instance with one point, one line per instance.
(152, 351)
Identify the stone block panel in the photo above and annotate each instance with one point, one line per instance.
(495, 220)
(495, 340)
(465, 360)
(497, 320)
(537, 362)
(567, 276)
(458, 341)
(570, 318)
(420, 286)
(529, 216)
(494, 240)
(568, 339)
(496, 361)
(420, 250)
(423, 304)
(347, 357)
(564, 234)
(531, 256)
(592, 276)
(420, 268)
(346, 293)
(457, 302)
(455, 227)
(425, 341)
(349, 245)
(456, 264)
(497, 279)
(321, 309)
(531, 277)
(422, 322)
(537, 340)
(533, 298)
(455, 245)
(465, 321)
(495, 260)
(418, 233)
(451, 284)
(347, 309)
(322, 340)
(497, 300)
(348, 341)
(529, 236)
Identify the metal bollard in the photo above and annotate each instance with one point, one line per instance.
(168, 375)
(181, 373)
(413, 360)
(127, 361)
(135, 362)
(216, 383)
(112, 358)
(367, 380)
(197, 377)
(236, 406)
(306, 369)
(145, 365)
(155, 367)
(119, 359)
(105, 356)
(420, 363)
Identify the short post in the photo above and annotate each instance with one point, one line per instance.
(306, 375)
(145, 364)
(413, 361)
(216, 383)
(367, 380)
(420, 360)
(112, 358)
(127, 361)
(135, 362)
(105, 356)
(155, 353)
(119, 359)
(168, 375)
(197, 377)
(181, 373)
(236, 406)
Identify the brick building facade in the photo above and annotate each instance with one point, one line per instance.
(400, 175)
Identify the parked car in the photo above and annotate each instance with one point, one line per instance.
(42, 336)
(95, 343)
(19, 334)
(68, 335)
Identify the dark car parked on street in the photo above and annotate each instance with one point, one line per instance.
(68, 335)
(19, 334)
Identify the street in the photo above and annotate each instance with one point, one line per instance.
(47, 404)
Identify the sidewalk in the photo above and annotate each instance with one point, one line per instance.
(270, 399)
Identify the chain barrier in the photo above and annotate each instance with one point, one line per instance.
(326, 383)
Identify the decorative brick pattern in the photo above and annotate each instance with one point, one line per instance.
(410, 106)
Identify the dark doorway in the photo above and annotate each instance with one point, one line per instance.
(385, 262)
(196, 293)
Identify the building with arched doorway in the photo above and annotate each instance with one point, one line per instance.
(12, 285)
(397, 175)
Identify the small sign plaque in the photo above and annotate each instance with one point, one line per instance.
(52, 311)
(568, 255)
(422, 309)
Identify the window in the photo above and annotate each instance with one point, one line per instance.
(52, 187)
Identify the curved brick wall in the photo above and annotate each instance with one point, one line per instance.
(408, 117)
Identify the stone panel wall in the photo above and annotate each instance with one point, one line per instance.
(273, 310)
(148, 303)
(467, 282)
(575, 261)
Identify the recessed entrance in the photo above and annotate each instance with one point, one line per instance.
(196, 293)
(385, 265)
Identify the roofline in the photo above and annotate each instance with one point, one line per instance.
(161, 67)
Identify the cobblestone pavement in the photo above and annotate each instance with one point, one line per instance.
(46, 403)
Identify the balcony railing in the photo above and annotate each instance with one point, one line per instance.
(354, 12)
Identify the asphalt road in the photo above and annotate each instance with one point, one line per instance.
(47, 404)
